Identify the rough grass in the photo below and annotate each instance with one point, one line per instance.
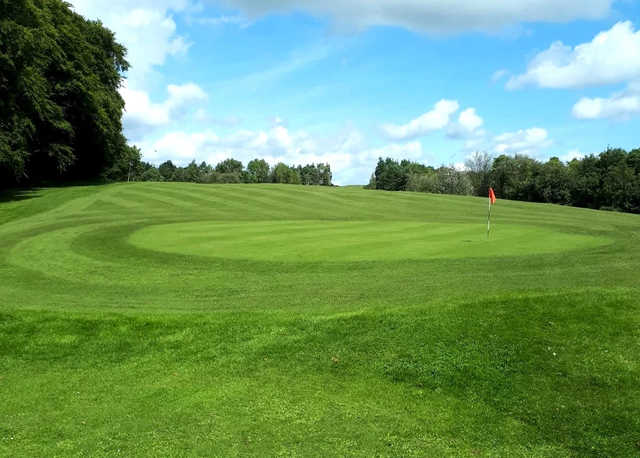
(177, 319)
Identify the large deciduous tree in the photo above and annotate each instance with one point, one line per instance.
(258, 171)
(60, 109)
(479, 171)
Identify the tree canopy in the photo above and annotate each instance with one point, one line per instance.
(60, 109)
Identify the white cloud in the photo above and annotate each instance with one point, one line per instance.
(571, 155)
(145, 27)
(435, 16)
(469, 120)
(141, 115)
(275, 144)
(467, 125)
(530, 142)
(436, 119)
(203, 116)
(181, 147)
(613, 56)
(476, 143)
(619, 106)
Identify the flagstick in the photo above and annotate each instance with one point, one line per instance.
(489, 220)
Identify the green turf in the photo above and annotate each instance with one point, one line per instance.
(368, 240)
(233, 320)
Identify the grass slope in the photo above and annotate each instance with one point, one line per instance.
(179, 319)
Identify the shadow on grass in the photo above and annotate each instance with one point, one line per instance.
(14, 195)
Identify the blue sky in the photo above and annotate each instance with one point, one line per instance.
(347, 81)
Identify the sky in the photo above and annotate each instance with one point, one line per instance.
(348, 81)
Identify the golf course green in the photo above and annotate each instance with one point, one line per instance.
(176, 319)
(317, 240)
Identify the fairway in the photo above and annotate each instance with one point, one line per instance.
(175, 319)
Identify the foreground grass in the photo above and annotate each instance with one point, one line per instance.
(173, 319)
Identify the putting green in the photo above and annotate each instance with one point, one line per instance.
(320, 241)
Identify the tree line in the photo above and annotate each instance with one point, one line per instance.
(607, 181)
(227, 171)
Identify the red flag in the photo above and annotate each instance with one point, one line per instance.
(492, 196)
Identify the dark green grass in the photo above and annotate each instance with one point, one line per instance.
(113, 341)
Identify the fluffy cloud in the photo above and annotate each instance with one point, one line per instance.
(275, 144)
(436, 119)
(440, 117)
(467, 127)
(530, 142)
(435, 16)
(142, 116)
(620, 106)
(145, 27)
(181, 147)
(469, 120)
(613, 56)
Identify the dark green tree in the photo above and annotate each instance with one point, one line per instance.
(128, 166)
(151, 174)
(309, 174)
(282, 173)
(192, 173)
(390, 175)
(167, 170)
(553, 183)
(621, 188)
(515, 177)
(584, 182)
(258, 171)
(60, 109)
(229, 166)
(633, 160)
(414, 168)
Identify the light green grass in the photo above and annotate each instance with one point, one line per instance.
(234, 320)
(368, 240)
